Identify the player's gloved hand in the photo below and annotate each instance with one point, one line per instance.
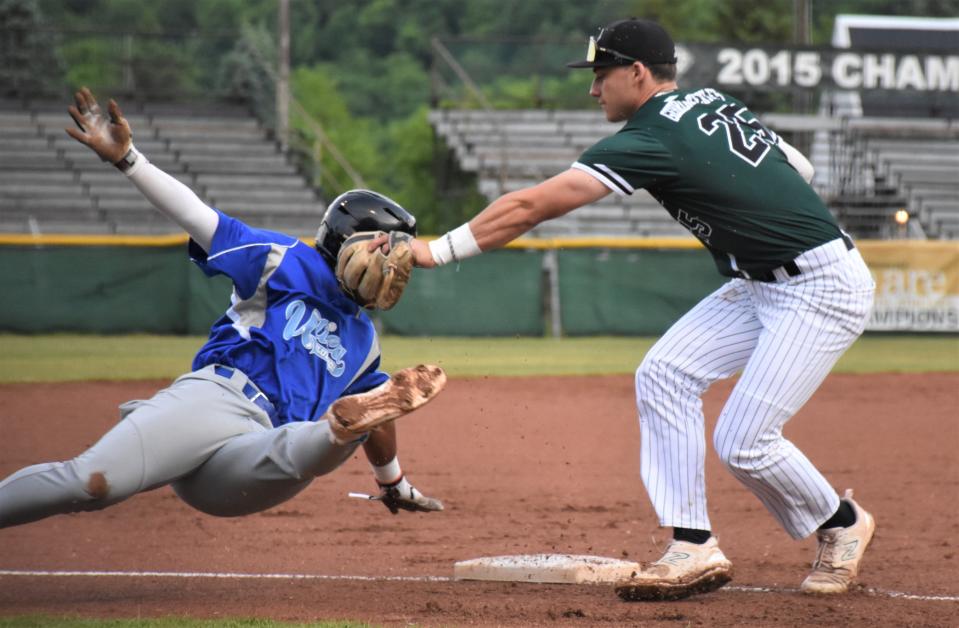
(372, 278)
(403, 496)
(110, 138)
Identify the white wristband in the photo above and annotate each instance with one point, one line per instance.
(454, 246)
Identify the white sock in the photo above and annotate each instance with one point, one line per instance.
(389, 473)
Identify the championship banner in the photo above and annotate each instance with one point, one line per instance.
(775, 68)
(917, 285)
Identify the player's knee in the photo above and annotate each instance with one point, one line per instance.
(726, 455)
(97, 486)
(649, 374)
(656, 373)
(736, 454)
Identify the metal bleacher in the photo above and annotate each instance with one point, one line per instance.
(896, 165)
(926, 172)
(49, 183)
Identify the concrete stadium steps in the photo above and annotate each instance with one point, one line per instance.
(47, 161)
(16, 205)
(50, 182)
(243, 182)
(246, 207)
(202, 134)
(13, 195)
(946, 221)
(13, 176)
(240, 166)
(222, 148)
(111, 178)
(232, 195)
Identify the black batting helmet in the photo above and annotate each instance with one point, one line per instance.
(359, 210)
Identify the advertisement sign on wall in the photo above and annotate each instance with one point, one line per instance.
(917, 285)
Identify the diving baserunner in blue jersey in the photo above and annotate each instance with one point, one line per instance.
(256, 419)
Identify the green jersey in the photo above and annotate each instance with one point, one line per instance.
(716, 169)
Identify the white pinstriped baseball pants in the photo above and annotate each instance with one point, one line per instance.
(785, 337)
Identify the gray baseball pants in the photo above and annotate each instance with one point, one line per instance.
(202, 435)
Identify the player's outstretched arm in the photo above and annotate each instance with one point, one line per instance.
(510, 216)
(111, 138)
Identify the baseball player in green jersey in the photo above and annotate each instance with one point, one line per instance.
(798, 296)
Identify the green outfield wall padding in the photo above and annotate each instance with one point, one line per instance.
(107, 290)
(155, 289)
(631, 292)
(497, 294)
(209, 299)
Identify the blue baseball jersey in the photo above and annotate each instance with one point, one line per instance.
(290, 328)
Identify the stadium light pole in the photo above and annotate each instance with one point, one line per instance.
(802, 36)
(283, 74)
(802, 22)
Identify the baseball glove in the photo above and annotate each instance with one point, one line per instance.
(374, 279)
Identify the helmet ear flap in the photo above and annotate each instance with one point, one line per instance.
(321, 244)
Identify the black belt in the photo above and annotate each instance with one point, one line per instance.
(790, 267)
(250, 391)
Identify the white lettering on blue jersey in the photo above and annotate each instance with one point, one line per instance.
(316, 336)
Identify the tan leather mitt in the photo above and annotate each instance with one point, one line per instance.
(371, 278)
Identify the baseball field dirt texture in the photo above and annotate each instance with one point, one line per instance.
(524, 465)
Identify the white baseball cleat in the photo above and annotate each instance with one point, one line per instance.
(354, 415)
(685, 569)
(840, 553)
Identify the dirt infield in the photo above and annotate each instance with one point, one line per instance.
(524, 465)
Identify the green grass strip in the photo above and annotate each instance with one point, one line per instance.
(71, 357)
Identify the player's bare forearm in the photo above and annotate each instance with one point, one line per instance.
(509, 217)
(515, 213)
(503, 220)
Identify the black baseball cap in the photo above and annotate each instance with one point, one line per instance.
(626, 41)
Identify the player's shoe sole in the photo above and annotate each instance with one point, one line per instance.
(685, 569)
(405, 391)
(665, 591)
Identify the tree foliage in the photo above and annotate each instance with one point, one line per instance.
(29, 64)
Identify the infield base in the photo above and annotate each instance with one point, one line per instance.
(545, 568)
